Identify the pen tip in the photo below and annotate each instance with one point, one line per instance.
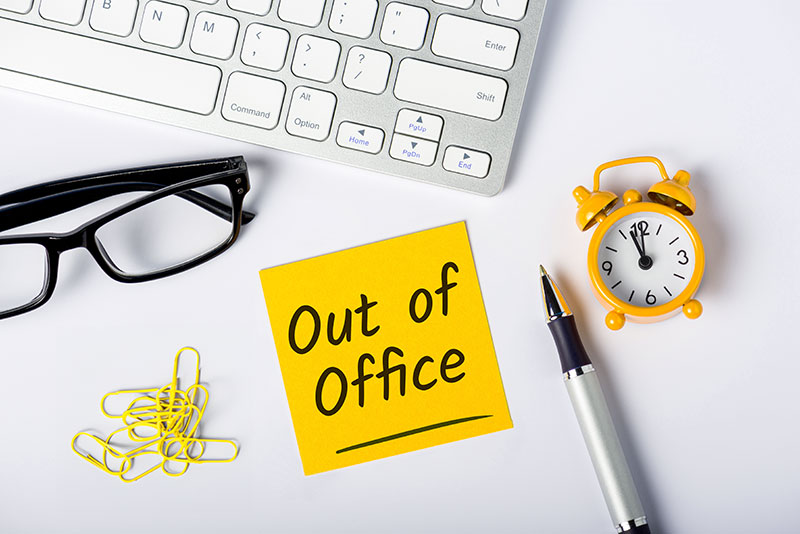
(555, 305)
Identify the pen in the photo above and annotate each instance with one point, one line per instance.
(593, 416)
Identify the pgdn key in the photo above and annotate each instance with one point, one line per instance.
(413, 150)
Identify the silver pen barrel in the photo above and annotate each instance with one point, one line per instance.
(604, 448)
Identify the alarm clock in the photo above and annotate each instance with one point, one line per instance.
(646, 260)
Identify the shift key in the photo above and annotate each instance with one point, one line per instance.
(452, 89)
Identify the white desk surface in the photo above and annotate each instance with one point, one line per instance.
(707, 410)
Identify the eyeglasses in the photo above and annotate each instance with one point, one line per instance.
(180, 216)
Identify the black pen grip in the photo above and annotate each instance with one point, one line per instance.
(568, 342)
(641, 529)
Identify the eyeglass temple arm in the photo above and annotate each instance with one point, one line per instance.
(26, 212)
(159, 174)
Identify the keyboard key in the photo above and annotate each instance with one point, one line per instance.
(360, 137)
(404, 26)
(465, 161)
(207, 1)
(256, 7)
(475, 42)
(367, 70)
(304, 12)
(113, 16)
(311, 113)
(163, 24)
(507, 9)
(17, 6)
(416, 124)
(214, 35)
(316, 58)
(463, 4)
(452, 89)
(413, 150)
(253, 100)
(353, 17)
(65, 11)
(109, 68)
(265, 47)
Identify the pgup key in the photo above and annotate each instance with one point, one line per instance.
(417, 124)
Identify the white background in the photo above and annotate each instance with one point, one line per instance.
(707, 410)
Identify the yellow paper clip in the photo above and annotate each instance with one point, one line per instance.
(160, 424)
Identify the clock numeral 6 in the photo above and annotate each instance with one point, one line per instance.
(684, 258)
(607, 267)
(650, 298)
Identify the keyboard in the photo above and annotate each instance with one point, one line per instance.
(430, 90)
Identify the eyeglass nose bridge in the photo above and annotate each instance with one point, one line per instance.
(64, 242)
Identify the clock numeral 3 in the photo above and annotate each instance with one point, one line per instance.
(684, 258)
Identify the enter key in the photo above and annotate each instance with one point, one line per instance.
(475, 42)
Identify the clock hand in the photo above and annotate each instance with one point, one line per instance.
(642, 227)
(639, 248)
(645, 261)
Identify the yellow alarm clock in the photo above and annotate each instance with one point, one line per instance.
(646, 260)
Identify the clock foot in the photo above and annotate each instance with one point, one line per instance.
(693, 309)
(615, 320)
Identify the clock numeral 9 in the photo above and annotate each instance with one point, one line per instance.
(607, 267)
(684, 258)
(650, 298)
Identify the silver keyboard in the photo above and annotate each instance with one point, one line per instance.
(425, 89)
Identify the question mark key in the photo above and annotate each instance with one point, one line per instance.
(367, 70)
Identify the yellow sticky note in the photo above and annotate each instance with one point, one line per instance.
(385, 349)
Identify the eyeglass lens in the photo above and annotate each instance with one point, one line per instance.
(166, 233)
(23, 274)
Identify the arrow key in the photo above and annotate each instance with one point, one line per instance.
(360, 137)
(417, 124)
(265, 47)
(467, 161)
(413, 150)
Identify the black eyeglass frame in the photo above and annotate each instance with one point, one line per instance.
(46, 200)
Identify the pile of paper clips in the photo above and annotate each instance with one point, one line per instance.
(159, 432)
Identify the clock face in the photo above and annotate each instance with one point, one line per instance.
(646, 259)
